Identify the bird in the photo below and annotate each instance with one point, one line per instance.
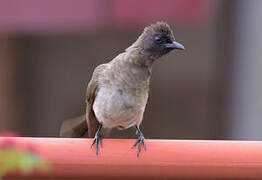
(118, 92)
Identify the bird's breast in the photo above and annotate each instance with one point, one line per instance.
(114, 107)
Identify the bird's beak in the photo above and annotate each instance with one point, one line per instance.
(174, 45)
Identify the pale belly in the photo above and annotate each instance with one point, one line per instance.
(113, 108)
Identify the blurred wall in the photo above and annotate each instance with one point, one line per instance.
(182, 83)
(50, 60)
(245, 99)
(10, 99)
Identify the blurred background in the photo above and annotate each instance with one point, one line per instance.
(212, 90)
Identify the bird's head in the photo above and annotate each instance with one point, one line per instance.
(157, 40)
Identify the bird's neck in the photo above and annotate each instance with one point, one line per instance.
(141, 57)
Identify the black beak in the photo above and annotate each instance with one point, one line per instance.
(174, 45)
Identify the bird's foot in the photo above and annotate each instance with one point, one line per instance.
(97, 140)
(140, 141)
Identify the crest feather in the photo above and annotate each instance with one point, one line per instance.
(159, 27)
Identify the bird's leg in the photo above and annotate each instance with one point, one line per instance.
(98, 138)
(140, 140)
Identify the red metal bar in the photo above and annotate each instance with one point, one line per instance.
(163, 159)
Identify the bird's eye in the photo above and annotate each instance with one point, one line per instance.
(158, 39)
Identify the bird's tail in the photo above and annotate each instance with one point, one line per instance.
(76, 127)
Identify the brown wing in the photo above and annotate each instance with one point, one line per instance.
(148, 96)
(92, 89)
(149, 80)
(76, 127)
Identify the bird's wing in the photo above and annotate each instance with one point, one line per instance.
(149, 80)
(148, 97)
(75, 127)
(91, 92)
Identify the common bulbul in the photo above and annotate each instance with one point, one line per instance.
(118, 91)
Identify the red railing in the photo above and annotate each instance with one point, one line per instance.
(163, 159)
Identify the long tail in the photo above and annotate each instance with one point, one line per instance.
(76, 127)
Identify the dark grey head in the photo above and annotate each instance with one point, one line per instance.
(158, 39)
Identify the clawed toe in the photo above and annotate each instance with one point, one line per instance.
(97, 139)
(140, 141)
